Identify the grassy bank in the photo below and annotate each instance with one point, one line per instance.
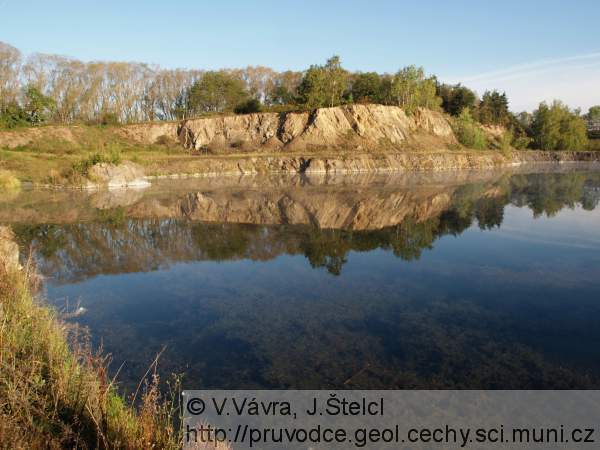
(55, 395)
(50, 155)
(49, 152)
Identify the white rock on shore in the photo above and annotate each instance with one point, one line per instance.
(125, 175)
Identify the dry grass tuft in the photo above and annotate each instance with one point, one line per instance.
(8, 180)
(55, 395)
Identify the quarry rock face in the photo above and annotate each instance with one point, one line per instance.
(343, 139)
(359, 126)
(149, 133)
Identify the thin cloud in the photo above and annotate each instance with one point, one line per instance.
(573, 79)
(543, 65)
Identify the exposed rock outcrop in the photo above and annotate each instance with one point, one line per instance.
(366, 127)
(366, 162)
(148, 133)
(25, 136)
(125, 175)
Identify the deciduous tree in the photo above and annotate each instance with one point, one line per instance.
(216, 92)
(556, 127)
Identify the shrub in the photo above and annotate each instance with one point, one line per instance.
(112, 157)
(13, 117)
(82, 167)
(522, 142)
(8, 180)
(468, 132)
(248, 107)
(109, 119)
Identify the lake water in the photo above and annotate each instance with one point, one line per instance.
(447, 280)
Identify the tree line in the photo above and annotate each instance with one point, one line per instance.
(43, 88)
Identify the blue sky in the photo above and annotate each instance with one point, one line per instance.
(535, 50)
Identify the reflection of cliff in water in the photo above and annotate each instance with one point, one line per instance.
(321, 223)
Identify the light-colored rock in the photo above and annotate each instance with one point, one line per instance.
(26, 136)
(125, 175)
(358, 126)
(148, 133)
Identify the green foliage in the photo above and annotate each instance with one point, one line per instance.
(13, 116)
(556, 127)
(37, 110)
(216, 92)
(410, 89)
(282, 96)
(82, 167)
(250, 106)
(468, 132)
(323, 86)
(283, 91)
(38, 106)
(593, 113)
(456, 98)
(311, 92)
(521, 142)
(367, 88)
(493, 109)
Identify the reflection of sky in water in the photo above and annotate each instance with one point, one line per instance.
(513, 306)
(575, 228)
(440, 280)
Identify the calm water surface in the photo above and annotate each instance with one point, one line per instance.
(467, 280)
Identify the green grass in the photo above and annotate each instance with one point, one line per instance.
(47, 159)
(55, 395)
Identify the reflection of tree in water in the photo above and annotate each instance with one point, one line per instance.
(549, 193)
(220, 242)
(46, 239)
(113, 243)
(411, 335)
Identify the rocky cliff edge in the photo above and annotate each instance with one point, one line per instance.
(360, 127)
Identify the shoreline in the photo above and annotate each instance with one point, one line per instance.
(207, 166)
(383, 163)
